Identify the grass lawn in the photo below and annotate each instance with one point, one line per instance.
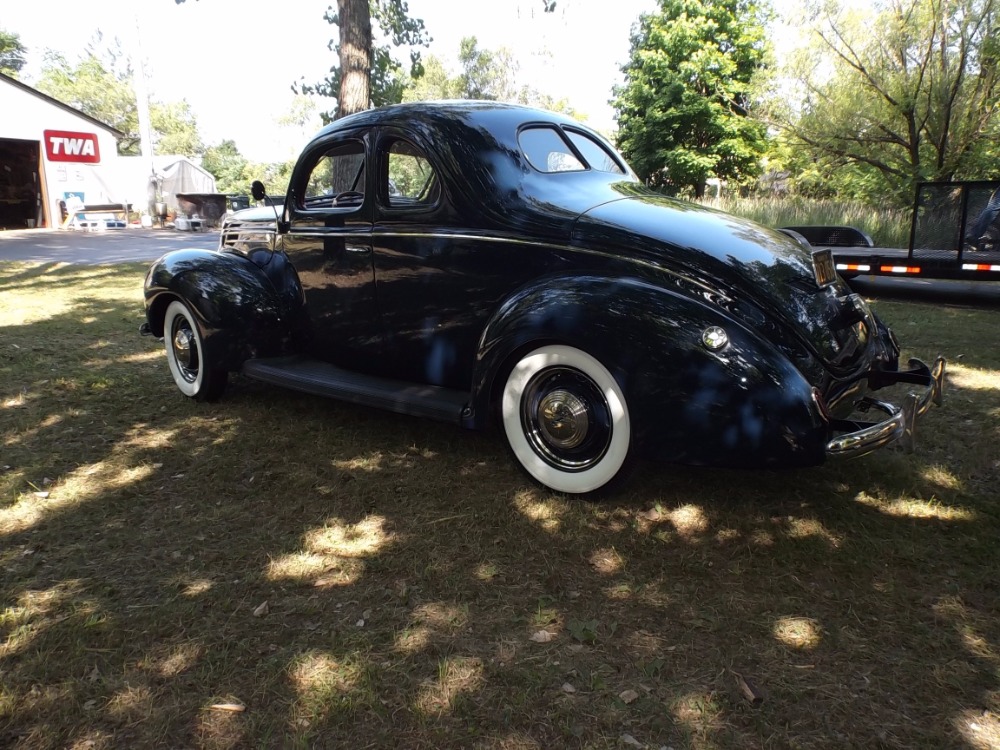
(277, 570)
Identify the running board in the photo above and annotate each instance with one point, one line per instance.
(322, 379)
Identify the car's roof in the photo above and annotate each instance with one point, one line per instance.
(490, 115)
(477, 153)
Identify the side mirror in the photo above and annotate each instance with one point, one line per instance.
(257, 190)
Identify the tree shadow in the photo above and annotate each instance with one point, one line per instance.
(408, 571)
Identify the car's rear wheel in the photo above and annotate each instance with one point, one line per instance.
(566, 420)
(192, 370)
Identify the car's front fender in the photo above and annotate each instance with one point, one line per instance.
(744, 404)
(235, 302)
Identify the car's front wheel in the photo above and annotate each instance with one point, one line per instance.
(566, 420)
(192, 371)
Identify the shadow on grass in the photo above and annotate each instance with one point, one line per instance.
(23, 276)
(408, 570)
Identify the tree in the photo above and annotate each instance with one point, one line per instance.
(100, 85)
(908, 91)
(366, 74)
(486, 74)
(435, 83)
(94, 87)
(175, 129)
(11, 53)
(683, 112)
(225, 162)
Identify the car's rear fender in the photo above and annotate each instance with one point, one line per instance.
(744, 404)
(238, 307)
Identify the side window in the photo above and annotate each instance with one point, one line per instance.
(412, 181)
(597, 156)
(546, 150)
(338, 178)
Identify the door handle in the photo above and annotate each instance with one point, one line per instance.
(358, 249)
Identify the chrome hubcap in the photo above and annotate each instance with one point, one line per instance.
(185, 352)
(566, 419)
(563, 419)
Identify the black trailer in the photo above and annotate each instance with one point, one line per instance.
(955, 234)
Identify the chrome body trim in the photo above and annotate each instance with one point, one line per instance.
(231, 238)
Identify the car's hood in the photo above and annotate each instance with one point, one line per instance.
(261, 214)
(750, 262)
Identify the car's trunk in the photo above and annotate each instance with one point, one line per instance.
(743, 260)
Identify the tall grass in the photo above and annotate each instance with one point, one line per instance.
(887, 226)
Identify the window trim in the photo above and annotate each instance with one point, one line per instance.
(563, 130)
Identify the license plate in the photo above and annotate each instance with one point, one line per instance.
(823, 268)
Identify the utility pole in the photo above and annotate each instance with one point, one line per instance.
(145, 124)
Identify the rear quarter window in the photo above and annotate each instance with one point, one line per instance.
(547, 151)
(597, 156)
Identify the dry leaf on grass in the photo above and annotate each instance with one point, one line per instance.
(750, 692)
(542, 636)
(261, 610)
(236, 708)
(628, 696)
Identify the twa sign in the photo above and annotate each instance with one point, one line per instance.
(63, 145)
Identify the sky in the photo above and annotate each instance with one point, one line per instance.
(235, 62)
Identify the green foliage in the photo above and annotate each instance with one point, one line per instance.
(175, 130)
(225, 162)
(100, 85)
(683, 110)
(802, 173)
(388, 77)
(95, 87)
(983, 161)
(233, 172)
(410, 173)
(435, 83)
(11, 53)
(897, 93)
(485, 74)
(584, 631)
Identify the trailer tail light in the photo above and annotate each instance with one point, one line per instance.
(860, 267)
(979, 267)
(899, 269)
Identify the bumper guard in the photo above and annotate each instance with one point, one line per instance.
(860, 438)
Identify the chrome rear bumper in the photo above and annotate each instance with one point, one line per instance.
(901, 423)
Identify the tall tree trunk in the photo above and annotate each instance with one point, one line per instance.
(355, 56)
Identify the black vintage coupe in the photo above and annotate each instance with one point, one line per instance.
(476, 262)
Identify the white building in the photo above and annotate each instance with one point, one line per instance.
(51, 153)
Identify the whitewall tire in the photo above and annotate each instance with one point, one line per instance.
(566, 419)
(184, 341)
